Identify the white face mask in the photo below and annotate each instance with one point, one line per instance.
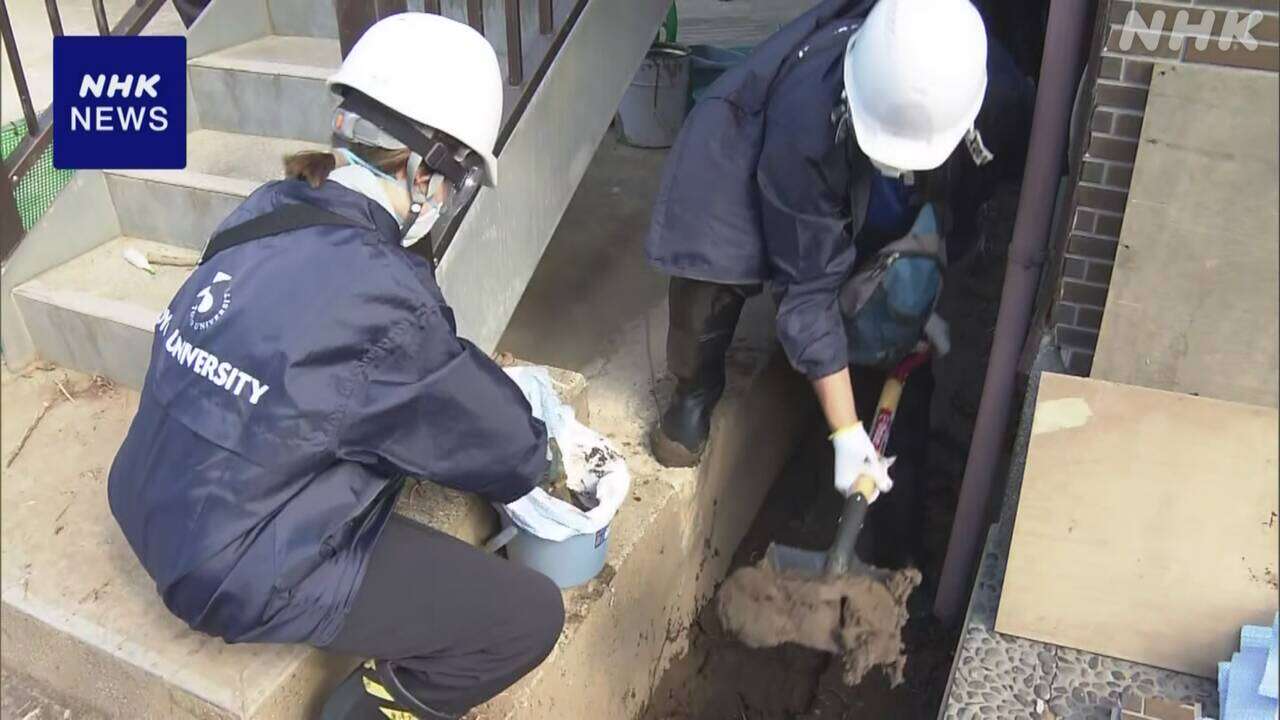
(429, 215)
(420, 227)
(375, 185)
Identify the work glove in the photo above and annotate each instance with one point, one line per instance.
(857, 456)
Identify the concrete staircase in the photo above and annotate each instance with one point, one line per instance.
(256, 92)
(80, 617)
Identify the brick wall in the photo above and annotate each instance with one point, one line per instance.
(1116, 86)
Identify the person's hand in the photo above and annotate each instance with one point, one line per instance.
(857, 456)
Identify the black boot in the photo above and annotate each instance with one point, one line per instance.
(374, 692)
(703, 318)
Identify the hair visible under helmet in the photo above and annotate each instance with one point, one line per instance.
(915, 76)
(445, 105)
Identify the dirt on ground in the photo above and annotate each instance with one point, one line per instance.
(21, 699)
(721, 678)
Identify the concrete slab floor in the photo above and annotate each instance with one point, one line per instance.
(573, 319)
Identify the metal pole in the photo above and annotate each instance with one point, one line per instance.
(15, 63)
(515, 51)
(355, 16)
(475, 15)
(100, 17)
(11, 230)
(55, 19)
(1059, 72)
(137, 17)
(546, 17)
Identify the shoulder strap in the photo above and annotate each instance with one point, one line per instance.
(291, 216)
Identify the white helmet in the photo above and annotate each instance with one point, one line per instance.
(915, 75)
(434, 71)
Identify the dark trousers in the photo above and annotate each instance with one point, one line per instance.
(458, 625)
(703, 316)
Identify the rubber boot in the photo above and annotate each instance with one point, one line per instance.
(703, 318)
(374, 692)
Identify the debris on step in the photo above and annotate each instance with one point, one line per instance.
(138, 259)
(96, 386)
(173, 257)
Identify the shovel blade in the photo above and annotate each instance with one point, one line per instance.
(785, 559)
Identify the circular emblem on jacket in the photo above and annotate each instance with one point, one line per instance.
(212, 303)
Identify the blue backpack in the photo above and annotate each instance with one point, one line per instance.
(889, 303)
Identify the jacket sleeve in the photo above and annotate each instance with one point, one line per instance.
(434, 406)
(804, 179)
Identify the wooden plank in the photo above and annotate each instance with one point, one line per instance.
(1194, 304)
(1146, 528)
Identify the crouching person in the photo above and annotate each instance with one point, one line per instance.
(308, 366)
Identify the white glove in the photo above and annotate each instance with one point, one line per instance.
(857, 456)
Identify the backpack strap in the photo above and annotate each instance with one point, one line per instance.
(290, 216)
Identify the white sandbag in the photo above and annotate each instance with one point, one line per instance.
(592, 467)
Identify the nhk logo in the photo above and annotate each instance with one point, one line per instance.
(106, 118)
(119, 102)
(1174, 30)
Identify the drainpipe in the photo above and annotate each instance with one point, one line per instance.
(1059, 74)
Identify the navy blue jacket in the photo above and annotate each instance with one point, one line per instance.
(295, 381)
(757, 188)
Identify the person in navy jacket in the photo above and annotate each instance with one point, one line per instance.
(815, 152)
(307, 367)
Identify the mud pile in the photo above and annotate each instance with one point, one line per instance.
(858, 617)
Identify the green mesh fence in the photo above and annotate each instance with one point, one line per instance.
(38, 188)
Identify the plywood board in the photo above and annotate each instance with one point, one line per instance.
(1194, 304)
(1146, 528)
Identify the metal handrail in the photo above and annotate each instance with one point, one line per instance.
(40, 126)
(15, 62)
(524, 85)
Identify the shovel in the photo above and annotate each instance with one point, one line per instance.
(841, 559)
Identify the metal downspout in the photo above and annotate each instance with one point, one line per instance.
(1059, 74)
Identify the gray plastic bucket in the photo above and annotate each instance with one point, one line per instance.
(653, 108)
(568, 563)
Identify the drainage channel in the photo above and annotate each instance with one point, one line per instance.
(721, 679)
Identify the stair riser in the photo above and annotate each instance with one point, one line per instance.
(306, 18)
(259, 104)
(173, 214)
(115, 348)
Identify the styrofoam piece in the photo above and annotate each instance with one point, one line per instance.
(1271, 673)
(1242, 681)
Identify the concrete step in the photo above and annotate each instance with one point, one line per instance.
(274, 86)
(183, 207)
(90, 630)
(82, 617)
(96, 313)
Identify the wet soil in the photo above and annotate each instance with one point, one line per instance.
(722, 679)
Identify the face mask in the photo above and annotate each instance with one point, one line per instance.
(373, 185)
(429, 215)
